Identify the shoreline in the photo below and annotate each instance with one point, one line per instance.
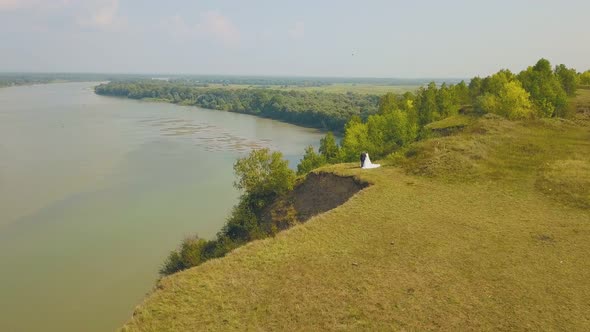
(166, 101)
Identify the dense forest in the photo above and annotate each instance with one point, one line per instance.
(323, 110)
(263, 176)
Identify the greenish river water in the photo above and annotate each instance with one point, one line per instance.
(95, 191)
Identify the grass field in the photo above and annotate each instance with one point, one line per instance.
(487, 229)
(332, 88)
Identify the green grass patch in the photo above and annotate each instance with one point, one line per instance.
(567, 181)
(452, 122)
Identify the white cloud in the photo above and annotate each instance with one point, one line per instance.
(297, 31)
(9, 5)
(219, 27)
(101, 14)
(178, 28)
(212, 25)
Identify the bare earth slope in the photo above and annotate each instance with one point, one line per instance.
(488, 229)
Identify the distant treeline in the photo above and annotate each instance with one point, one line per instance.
(307, 108)
(15, 79)
(257, 81)
(302, 81)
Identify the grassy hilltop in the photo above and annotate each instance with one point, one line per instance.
(484, 229)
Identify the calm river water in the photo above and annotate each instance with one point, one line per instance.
(95, 191)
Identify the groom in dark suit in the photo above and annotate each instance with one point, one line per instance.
(363, 157)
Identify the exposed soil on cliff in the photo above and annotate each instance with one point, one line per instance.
(317, 193)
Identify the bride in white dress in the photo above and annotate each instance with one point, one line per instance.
(368, 164)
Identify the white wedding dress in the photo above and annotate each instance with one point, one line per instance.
(368, 164)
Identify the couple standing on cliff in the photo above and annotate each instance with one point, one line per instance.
(366, 161)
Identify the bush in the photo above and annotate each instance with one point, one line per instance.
(190, 254)
(172, 264)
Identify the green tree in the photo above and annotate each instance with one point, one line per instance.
(329, 148)
(388, 103)
(386, 133)
(427, 105)
(446, 102)
(264, 173)
(545, 88)
(585, 78)
(511, 101)
(355, 140)
(408, 104)
(494, 83)
(568, 78)
(475, 88)
(311, 160)
(406, 101)
(461, 92)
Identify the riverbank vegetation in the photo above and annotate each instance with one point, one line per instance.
(272, 200)
(401, 120)
(262, 177)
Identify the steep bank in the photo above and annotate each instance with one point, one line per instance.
(317, 193)
(462, 234)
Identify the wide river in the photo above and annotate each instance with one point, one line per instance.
(95, 191)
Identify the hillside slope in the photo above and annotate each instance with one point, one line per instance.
(486, 229)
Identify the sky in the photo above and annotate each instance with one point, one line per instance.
(370, 38)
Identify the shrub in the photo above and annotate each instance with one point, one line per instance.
(190, 254)
(172, 264)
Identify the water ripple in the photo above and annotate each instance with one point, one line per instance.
(213, 138)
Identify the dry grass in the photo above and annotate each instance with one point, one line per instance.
(567, 180)
(487, 251)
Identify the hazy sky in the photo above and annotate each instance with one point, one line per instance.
(389, 38)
